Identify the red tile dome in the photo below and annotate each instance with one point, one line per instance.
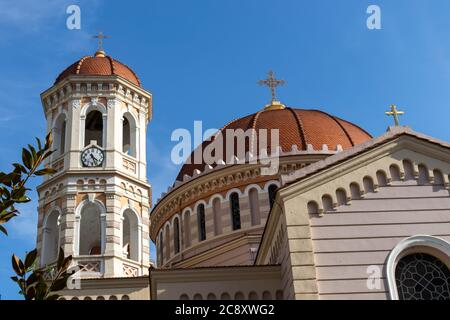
(99, 65)
(296, 127)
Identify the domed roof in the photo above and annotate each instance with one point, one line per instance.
(296, 127)
(99, 65)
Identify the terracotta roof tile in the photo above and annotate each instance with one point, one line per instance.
(99, 66)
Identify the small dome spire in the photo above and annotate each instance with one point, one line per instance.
(274, 105)
(100, 53)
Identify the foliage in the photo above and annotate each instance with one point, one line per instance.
(13, 188)
(33, 282)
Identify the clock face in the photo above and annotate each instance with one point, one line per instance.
(92, 157)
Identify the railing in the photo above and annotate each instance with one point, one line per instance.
(130, 268)
(129, 271)
(89, 266)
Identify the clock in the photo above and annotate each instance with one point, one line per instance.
(92, 157)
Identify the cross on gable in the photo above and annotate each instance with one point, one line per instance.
(395, 113)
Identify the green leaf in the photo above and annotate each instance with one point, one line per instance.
(39, 144)
(3, 230)
(33, 279)
(59, 284)
(47, 154)
(45, 171)
(18, 265)
(33, 152)
(27, 158)
(30, 259)
(22, 199)
(60, 258)
(48, 141)
(31, 293)
(66, 264)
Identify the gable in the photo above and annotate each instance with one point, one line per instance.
(356, 211)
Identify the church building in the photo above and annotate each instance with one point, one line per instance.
(344, 216)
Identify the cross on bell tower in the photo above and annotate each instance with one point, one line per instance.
(100, 37)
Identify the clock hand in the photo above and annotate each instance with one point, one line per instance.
(94, 158)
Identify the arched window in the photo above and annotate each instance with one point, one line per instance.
(421, 276)
(161, 249)
(368, 185)
(50, 238)
(198, 296)
(341, 197)
(201, 222)
(408, 169)
(423, 174)
(125, 297)
(272, 193)
(267, 295)
(187, 229)
(90, 230)
(254, 206)
(279, 295)
(129, 135)
(94, 128)
(355, 191)
(167, 243)
(59, 135)
(176, 235)
(252, 296)
(438, 177)
(239, 296)
(235, 211)
(327, 203)
(211, 296)
(130, 235)
(225, 296)
(381, 178)
(395, 172)
(217, 212)
(184, 297)
(313, 208)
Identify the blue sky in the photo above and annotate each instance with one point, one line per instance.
(201, 60)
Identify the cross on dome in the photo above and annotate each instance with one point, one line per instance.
(272, 83)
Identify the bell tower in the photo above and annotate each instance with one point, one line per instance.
(96, 206)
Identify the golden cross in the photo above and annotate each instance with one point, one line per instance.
(100, 38)
(395, 113)
(272, 83)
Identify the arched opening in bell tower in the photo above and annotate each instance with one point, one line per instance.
(90, 230)
(130, 235)
(50, 238)
(59, 135)
(129, 135)
(94, 128)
